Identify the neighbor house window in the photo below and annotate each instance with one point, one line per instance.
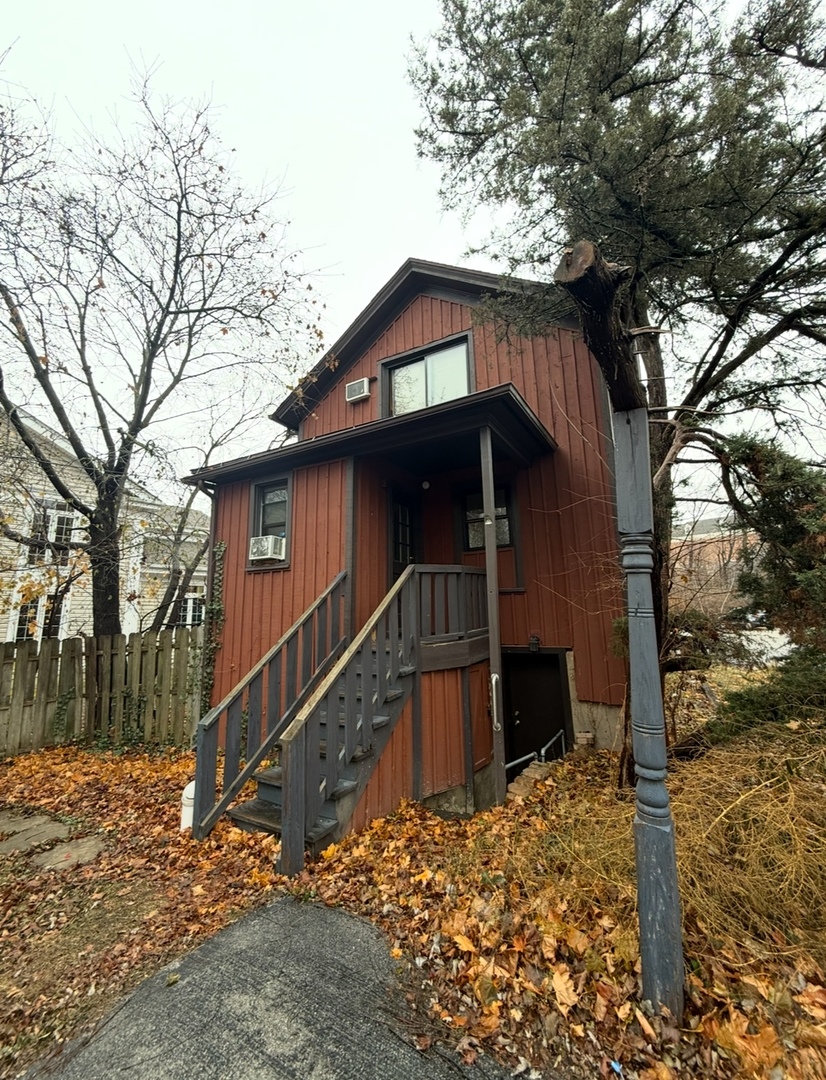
(53, 522)
(191, 610)
(474, 520)
(27, 621)
(429, 379)
(40, 618)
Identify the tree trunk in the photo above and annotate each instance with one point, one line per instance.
(104, 560)
(595, 285)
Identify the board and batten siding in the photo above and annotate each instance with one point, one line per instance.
(571, 584)
(570, 587)
(261, 604)
(424, 320)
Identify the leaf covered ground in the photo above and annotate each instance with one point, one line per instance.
(515, 930)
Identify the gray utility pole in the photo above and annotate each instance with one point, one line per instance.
(593, 285)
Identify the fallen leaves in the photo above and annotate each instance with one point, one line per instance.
(72, 942)
(518, 946)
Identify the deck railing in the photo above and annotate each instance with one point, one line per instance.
(255, 714)
(453, 601)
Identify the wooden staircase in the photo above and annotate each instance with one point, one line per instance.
(310, 721)
(264, 813)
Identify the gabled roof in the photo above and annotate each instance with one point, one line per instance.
(133, 489)
(414, 277)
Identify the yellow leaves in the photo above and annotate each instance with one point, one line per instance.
(464, 943)
(658, 1071)
(811, 1035)
(758, 1051)
(258, 879)
(563, 987)
(813, 1000)
(549, 946)
(647, 1030)
(578, 941)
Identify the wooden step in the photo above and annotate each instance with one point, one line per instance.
(272, 779)
(259, 816)
(378, 721)
(358, 755)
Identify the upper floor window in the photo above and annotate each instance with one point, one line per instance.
(430, 378)
(53, 522)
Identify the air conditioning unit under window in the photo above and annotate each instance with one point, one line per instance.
(267, 547)
(357, 391)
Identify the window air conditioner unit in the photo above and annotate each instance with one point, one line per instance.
(267, 547)
(357, 391)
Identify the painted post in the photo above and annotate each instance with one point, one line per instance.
(494, 639)
(658, 900)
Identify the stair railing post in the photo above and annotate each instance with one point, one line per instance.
(293, 764)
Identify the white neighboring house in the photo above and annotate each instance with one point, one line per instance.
(46, 592)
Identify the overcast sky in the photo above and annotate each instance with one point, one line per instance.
(312, 92)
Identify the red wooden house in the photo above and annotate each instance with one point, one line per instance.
(418, 592)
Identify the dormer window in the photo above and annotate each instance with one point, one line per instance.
(429, 378)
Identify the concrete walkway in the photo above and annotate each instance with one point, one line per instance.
(293, 991)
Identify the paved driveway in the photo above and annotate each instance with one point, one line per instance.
(293, 990)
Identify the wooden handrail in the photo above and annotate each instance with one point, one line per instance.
(213, 715)
(321, 691)
(303, 673)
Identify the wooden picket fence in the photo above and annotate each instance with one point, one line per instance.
(140, 688)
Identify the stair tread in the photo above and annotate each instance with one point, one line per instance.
(274, 777)
(263, 815)
(378, 721)
(266, 817)
(358, 754)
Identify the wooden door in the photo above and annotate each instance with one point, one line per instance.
(405, 531)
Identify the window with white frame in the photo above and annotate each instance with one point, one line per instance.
(40, 618)
(192, 607)
(429, 378)
(53, 522)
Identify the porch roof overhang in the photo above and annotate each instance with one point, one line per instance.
(422, 442)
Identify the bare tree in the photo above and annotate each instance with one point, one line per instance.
(139, 282)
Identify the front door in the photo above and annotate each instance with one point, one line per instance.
(537, 723)
(405, 531)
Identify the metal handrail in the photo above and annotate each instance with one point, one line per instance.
(527, 757)
(494, 700)
(548, 745)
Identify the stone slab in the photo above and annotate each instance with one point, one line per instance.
(29, 832)
(71, 853)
